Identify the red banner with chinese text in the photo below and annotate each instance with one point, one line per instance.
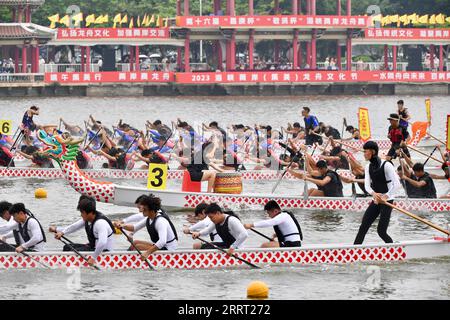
(112, 33)
(273, 21)
(407, 34)
(364, 124)
(99, 77)
(310, 76)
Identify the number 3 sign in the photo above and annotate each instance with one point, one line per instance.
(157, 176)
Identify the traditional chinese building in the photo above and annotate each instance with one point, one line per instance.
(20, 39)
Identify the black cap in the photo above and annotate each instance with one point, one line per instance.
(371, 145)
(394, 116)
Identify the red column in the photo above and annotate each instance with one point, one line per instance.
(187, 52)
(231, 8)
(179, 59)
(233, 50)
(349, 7)
(432, 56)
(394, 58)
(294, 7)
(314, 50)
(24, 59)
(217, 6)
(19, 14)
(308, 7)
(386, 57)
(131, 58)
(28, 14)
(313, 7)
(300, 54)
(276, 7)
(308, 53)
(178, 7)
(83, 65)
(88, 59)
(251, 10)
(35, 63)
(186, 7)
(339, 55)
(295, 50)
(338, 7)
(251, 45)
(136, 59)
(349, 53)
(16, 60)
(33, 59)
(441, 58)
(276, 51)
(219, 55)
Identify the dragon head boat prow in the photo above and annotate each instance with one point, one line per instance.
(64, 149)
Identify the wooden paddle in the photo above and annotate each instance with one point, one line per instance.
(431, 154)
(340, 142)
(25, 254)
(261, 234)
(70, 244)
(428, 223)
(423, 153)
(438, 140)
(135, 248)
(233, 255)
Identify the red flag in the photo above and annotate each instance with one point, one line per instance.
(419, 131)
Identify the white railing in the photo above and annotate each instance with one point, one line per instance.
(66, 68)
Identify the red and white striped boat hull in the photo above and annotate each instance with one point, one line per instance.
(319, 254)
(126, 196)
(40, 173)
(250, 175)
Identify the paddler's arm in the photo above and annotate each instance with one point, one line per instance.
(25, 155)
(319, 182)
(238, 228)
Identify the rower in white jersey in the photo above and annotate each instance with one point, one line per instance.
(99, 230)
(286, 226)
(161, 230)
(133, 219)
(227, 225)
(7, 227)
(202, 224)
(28, 231)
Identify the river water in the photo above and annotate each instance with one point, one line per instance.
(420, 279)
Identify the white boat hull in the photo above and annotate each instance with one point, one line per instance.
(126, 196)
(211, 259)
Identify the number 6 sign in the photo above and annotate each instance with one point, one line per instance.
(157, 176)
(5, 127)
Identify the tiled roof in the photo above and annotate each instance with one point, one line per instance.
(21, 2)
(24, 31)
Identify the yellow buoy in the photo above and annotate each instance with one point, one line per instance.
(40, 193)
(258, 290)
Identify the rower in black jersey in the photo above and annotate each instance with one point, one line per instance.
(382, 183)
(328, 182)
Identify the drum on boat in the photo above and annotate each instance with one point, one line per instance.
(228, 183)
